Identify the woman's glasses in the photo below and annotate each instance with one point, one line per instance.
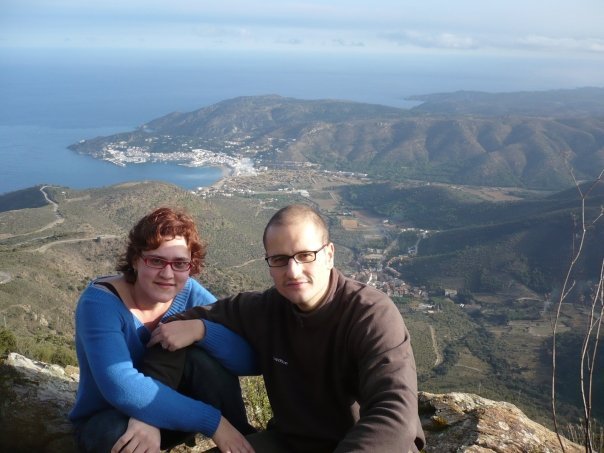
(156, 262)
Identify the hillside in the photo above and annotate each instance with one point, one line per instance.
(20, 199)
(483, 246)
(449, 139)
(46, 263)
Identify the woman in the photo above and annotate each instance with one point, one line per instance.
(117, 407)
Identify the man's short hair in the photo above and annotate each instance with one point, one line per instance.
(296, 213)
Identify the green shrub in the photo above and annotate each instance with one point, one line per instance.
(8, 342)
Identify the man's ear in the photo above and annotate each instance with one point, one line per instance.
(330, 251)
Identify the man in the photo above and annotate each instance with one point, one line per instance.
(335, 354)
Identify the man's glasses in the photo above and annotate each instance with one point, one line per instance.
(159, 263)
(307, 256)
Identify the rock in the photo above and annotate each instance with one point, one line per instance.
(35, 398)
(462, 422)
(34, 401)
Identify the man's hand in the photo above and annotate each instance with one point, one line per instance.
(177, 334)
(229, 440)
(138, 437)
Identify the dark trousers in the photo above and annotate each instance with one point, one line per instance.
(263, 442)
(192, 372)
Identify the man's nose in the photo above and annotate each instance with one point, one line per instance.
(293, 268)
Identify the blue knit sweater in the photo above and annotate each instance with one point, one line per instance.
(110, 343)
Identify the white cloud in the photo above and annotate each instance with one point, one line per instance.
(339, 42)
(414, 38)
(380, 25)
(561, 44)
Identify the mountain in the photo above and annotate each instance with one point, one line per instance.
(580, 102)
(260, 115)
(432, 143)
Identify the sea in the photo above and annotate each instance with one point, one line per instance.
(51, 98)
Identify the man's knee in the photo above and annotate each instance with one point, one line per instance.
(205, 379)
(267, 442)
(202, 367)
(165, 366)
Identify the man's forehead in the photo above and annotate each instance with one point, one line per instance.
(299, 225)
(304, 233)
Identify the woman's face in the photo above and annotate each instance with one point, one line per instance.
(155, 284)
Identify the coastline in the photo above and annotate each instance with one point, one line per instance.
(226, 173)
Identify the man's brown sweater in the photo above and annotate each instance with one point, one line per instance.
(340, 378)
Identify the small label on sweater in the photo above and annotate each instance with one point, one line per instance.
(278, 360)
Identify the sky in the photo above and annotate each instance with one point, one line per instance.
(489, 27)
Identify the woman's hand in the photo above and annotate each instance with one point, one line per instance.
(229, 440)
(140, 437)
(177, 334)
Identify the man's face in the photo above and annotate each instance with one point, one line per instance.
(303, 284)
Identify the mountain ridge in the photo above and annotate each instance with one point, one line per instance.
(585, 101)
(427, 144)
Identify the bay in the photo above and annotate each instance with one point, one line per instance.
(33, 155)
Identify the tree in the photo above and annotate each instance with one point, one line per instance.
(593, 325)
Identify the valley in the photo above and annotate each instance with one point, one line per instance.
(491, 343)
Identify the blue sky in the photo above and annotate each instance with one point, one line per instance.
(489, 27)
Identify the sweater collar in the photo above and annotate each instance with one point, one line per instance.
(325, 308)
(180, 300)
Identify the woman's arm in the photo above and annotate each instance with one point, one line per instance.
(106, 340)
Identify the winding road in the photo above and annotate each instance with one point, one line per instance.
(58, 218)
(45, 247)
(439, 357)
(5, 277)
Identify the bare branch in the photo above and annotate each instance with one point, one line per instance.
(567, 287)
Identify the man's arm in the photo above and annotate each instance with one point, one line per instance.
(230, 349)
(215, 327)
(387, 386)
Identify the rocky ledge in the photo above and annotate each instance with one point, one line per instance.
(35, 398)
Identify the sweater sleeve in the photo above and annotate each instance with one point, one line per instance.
(101, 332)
(231, 350)
(387, 385)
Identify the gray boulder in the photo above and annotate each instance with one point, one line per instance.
(35, 398)
(34, 401)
